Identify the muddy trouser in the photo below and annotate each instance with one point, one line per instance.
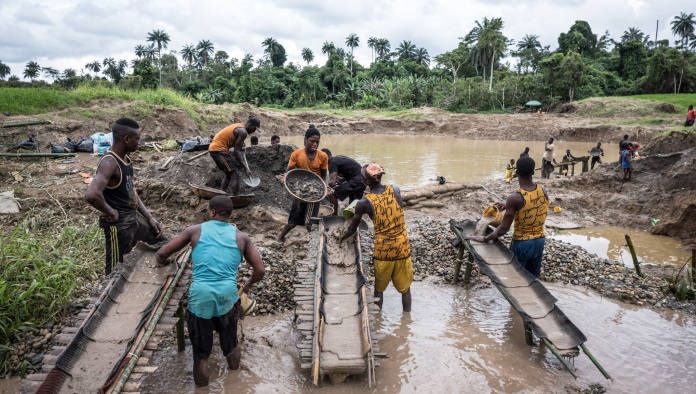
(529, 253)
(224, 162)
(595, 159)
(546, 168)
(300, 215)
(122, 236)
(201, 332)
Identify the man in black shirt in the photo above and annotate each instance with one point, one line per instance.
(344, 178)
(125, 219)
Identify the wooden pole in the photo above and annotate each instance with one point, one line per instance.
(469, 267)
(196, 156)
(629, 243)
(37, 154)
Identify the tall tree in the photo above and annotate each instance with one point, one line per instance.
(406, 50)
(328, 47)
(51, 73)
(490, 44)
(372, 43)
(205, 50)
(382, 48)
(422, 57)
(579, 39)
(307, 55)
(94, 66)
(274, 51)
(32, 70)
(4, 71)
(159, 39)
(530, 53)
(683, 26)
(189, 54)
(352, 41)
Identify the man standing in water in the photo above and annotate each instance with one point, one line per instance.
(213, 301)
(548, 159)
(125, 219)
(232, 137)
(392, 249)
(596, 154)
(310, 159)
(344, 178)
(527, 207)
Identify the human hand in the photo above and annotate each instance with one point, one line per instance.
(281, 178)
(329, 191)
(499, 206)
(155, 226)
(477, 238)
(111, 216)
(243, 286)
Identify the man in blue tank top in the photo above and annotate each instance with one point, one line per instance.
(213, 302)
(125, 219)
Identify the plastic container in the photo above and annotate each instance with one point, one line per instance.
(101, 142)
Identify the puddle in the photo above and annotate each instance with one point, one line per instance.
(609, 242)
(412, 161)
(457, 338)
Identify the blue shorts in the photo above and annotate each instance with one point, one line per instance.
(529, 254)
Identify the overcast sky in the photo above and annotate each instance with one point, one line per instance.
(71, 33)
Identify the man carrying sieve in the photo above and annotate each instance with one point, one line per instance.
(309, 158)
(392, 249)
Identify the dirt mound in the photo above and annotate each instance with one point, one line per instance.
(664, 107)
(673, 142)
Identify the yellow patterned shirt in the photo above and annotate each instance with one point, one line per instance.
(391, 240)
(529, 221)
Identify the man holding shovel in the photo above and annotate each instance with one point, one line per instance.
(232, 137)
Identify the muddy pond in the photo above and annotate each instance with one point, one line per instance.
(412, 161)
(466, 340)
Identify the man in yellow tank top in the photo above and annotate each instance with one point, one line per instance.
(392, 250)
(232, 137)
(527, 207)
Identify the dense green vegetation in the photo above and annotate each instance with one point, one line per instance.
(44, 262)
(474, 76)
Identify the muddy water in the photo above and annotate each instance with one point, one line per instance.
(609, 242)
(459, 340)
(417, 160)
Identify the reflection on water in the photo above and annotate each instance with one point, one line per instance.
(459, 340)
(610, 242)
(417, 160)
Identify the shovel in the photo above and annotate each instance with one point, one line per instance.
(251, 180)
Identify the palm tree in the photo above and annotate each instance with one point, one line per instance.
(328, 47)
(528, 50)
(51, 73)
(371, 43)
(406, 50)
(159, 39)
(307, 55)
(205, 50)
(352, 41)
(422, 57)
(31, 70)
(490, 44)
(4, 70)
(189, 54)
(94, 66)
(382, 48)
(634, 33)
(683, 26)
(275, 51)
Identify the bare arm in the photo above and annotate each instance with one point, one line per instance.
(190, 235)
(95, 191)
(253, 257)
(397, 194)
(240, 135)
(513, 203)
(362, 207)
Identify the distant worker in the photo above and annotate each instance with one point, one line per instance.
(213, 300)
(567, 158)
(548, 160)
(623, 144)
(344, 179)
(309, 158)
(510, 171)
(528, 208)
(232, 137)
(690, 116)
(254, 140)
(627, 162)
(392, 249)
(125, 219)
(275, 140)
(525, 153)
(596, 154)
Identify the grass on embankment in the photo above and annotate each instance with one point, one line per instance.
(32, 101)
(44, 262)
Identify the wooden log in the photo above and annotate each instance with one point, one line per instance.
(636, 264)
(196, 157)
(20, 155)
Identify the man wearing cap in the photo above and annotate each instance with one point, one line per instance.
(527, 207)
(392, 249)
(214, 301)
(232, 137)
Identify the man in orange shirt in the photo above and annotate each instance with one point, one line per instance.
(312, 159)
(230, 137)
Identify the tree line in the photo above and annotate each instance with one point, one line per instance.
(471, 77)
